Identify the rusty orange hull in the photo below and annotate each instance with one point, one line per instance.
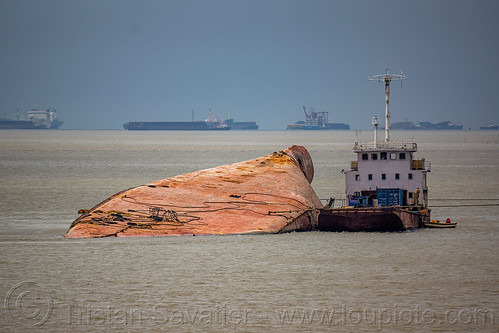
(271, 194)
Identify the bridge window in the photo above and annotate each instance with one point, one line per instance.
(365, 157)
(374, 156)
(402, 156)
(383, 156)
(393, 156)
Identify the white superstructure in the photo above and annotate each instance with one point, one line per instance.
(388, 165)
(386, 173)
(44, 118)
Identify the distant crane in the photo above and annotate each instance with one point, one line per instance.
(315, 119)
(310, 116)
(18, 115)
(387, 78)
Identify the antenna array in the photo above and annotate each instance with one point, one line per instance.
(387, 78)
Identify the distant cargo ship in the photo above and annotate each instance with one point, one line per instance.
(241, 125)
(490, 126)
(209, 124)
(426, 125)
(37, 119)
(175, 126)
(317, 121)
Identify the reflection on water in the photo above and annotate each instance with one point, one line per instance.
(418, 281)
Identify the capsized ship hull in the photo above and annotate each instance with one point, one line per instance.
(271, 194)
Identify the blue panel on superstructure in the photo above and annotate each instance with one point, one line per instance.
(390, 197)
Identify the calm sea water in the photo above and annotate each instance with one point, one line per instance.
(417, 281)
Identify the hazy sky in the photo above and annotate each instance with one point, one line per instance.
(102, 63)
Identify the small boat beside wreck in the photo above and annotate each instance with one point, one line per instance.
(438, 224)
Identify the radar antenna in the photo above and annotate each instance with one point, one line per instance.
(387, 78)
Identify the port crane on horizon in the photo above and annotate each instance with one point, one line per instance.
(313, 118)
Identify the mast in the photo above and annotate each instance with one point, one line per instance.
(387, 78)
(375, 123)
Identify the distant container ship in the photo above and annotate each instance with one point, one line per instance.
(426, 125)
(209, 124)
(317, 121)
(490, 126)
(242, 125)
(174, 126)
(37, 119)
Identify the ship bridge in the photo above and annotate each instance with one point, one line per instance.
(386, 174)
(387, 169)
(392, 145)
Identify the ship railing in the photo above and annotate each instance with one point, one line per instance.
(421, 164)
(412, 208)
(333, 202)
(412, 146)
